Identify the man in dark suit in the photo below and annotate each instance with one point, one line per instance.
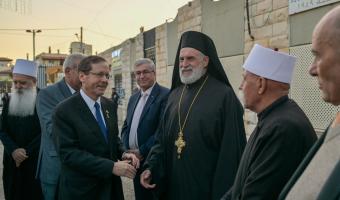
(85, 131)
(144, 112)
(48, 169)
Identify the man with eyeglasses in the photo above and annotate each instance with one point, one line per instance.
(85, 131)
(145, 109)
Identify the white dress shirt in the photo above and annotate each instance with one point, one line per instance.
(133, 138)
(90, 103)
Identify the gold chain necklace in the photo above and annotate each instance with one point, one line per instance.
(180, 143)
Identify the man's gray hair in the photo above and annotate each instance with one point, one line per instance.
(142, 61)
(70, 61)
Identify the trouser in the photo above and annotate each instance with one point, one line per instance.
(50, 191)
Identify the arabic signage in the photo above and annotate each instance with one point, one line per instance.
(296, 6)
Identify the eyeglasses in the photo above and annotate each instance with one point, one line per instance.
(101, 75)
(145, 72)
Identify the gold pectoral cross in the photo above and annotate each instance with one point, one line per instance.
(180, 144)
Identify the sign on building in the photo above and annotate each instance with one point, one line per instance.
(116, 58)
(296, 6)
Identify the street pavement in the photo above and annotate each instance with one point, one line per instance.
(127, 183)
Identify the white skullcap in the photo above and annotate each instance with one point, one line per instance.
(25, 67)
(270, 64)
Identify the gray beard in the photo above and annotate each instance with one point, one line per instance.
(197, 73)
(22, 102)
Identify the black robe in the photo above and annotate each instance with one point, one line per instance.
(20, 132)
(275, 149)
(215, 139)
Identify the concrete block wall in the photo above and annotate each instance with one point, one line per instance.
(139, 51)
(161, 55)
(126, 77)
(189, 17)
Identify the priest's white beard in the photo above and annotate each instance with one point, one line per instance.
(22, 102)
(196, 74)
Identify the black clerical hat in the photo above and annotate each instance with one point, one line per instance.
(205, 45)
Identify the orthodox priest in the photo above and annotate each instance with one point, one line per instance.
(20, 134)
(201, 137)
(283, 134)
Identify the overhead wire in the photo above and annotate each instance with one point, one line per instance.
(102, 34)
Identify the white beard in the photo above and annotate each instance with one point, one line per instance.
(196, 74)
(22, 102)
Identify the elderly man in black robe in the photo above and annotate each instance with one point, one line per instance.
(283, 134)
(20, 134)
(201, 137)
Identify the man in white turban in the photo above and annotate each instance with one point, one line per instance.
(20, 135)
(283, 134)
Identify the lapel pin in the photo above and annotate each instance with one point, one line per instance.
(107, 114)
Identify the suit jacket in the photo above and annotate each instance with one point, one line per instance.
(315, 169)
(149, 120)
(331, 189)
(86, 159)
(48, 168)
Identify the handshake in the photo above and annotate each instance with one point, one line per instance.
(126, 167)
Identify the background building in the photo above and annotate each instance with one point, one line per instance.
(285, 25)
(5, 75)
(50, 68)
(78, 47)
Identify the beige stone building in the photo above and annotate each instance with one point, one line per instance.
(283, 24)
(78, 47)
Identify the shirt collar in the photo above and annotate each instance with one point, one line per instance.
(71, 89)
(90, 102)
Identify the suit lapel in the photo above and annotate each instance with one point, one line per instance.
(151, 99)
(90, 120)
(134, 104)
(64, 88)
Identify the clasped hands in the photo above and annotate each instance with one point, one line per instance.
(19, 155)
(126, 167)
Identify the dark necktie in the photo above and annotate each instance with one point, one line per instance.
(100, 121)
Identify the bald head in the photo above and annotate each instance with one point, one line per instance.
(328, 28)
(326, 50)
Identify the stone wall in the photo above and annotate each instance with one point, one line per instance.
(269, 24)
(161, 55)
(189, 17)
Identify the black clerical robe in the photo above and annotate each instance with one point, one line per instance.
(275, 149)
(20, 132)
(214, 136)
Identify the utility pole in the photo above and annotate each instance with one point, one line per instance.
(81, 40)
(34, 32)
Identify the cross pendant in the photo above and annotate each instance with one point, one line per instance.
(180, 144)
